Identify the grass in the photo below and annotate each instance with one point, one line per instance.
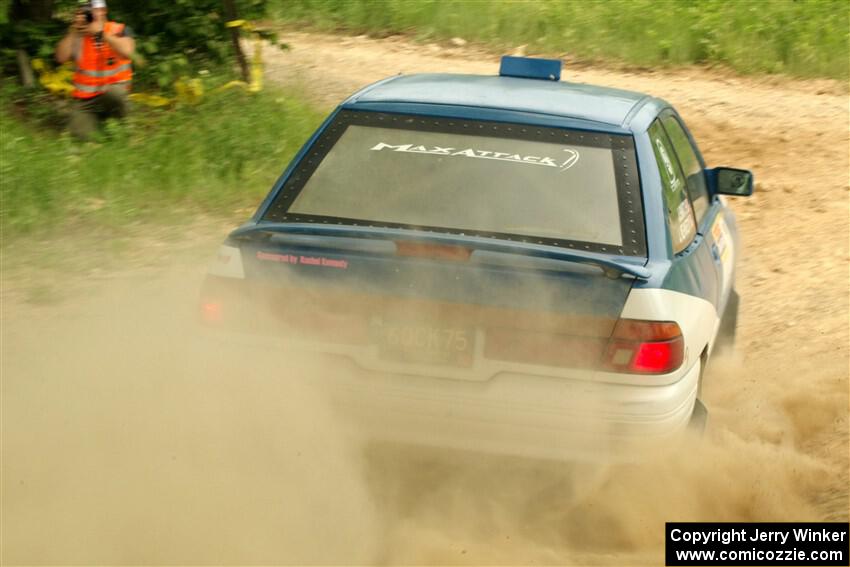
(158, 185)
(805, 38)
(219, 155)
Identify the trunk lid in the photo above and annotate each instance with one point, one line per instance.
(432, 306)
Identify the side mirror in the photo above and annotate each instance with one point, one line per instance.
(730, 181)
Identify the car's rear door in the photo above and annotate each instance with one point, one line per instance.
(694, 269)
(708, 211)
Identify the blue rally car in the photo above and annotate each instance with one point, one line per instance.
(507, 263)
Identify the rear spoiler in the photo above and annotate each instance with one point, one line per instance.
(612, 267)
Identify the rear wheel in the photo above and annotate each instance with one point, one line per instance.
(728, 324)
(699, 419)
(699, 416)
(725, 343)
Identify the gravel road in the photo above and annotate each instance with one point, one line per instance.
(126, 439)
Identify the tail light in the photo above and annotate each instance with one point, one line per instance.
(216, 305)
(644, 347)
(225, 272)
(211, 311)
(237, 305)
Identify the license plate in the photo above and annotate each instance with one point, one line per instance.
(425, 343)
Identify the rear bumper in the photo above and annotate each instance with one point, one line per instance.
(510, 413)
(515, 414)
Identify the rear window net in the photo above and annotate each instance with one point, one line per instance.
(616, 225)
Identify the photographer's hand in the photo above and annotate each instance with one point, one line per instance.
(65, 48)
(78, 26)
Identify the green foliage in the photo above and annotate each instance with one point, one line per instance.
(799, 37)
(223, 153)
(173, 37)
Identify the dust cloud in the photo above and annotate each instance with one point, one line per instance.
(131, 437)
(750, 466)
(128, 439)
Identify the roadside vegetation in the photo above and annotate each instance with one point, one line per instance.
(222, 153)
(805, 38)
(202, 147)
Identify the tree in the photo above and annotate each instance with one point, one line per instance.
(38, 11)
(29, 24)
(231, 15)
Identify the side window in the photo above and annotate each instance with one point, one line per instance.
(694, 174)
(680, 217)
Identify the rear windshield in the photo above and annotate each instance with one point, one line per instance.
(546, 185)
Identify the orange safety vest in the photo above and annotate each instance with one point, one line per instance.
(99, 66)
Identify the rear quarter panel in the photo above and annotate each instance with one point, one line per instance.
(684, 287)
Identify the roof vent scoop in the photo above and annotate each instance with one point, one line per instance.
(530, 68)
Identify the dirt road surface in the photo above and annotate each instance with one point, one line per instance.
(127, 439)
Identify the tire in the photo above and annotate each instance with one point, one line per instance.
(699, 419)
(728, 324)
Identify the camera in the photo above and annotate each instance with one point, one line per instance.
(86, 10)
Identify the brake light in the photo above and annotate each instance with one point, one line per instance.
(436, 251)
(644, 347)
(211, 312)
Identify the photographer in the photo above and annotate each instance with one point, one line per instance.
(101, 50)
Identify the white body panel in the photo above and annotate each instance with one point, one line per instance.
(697, 318)
(519, 414)
(515, 414)
(227, 263)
